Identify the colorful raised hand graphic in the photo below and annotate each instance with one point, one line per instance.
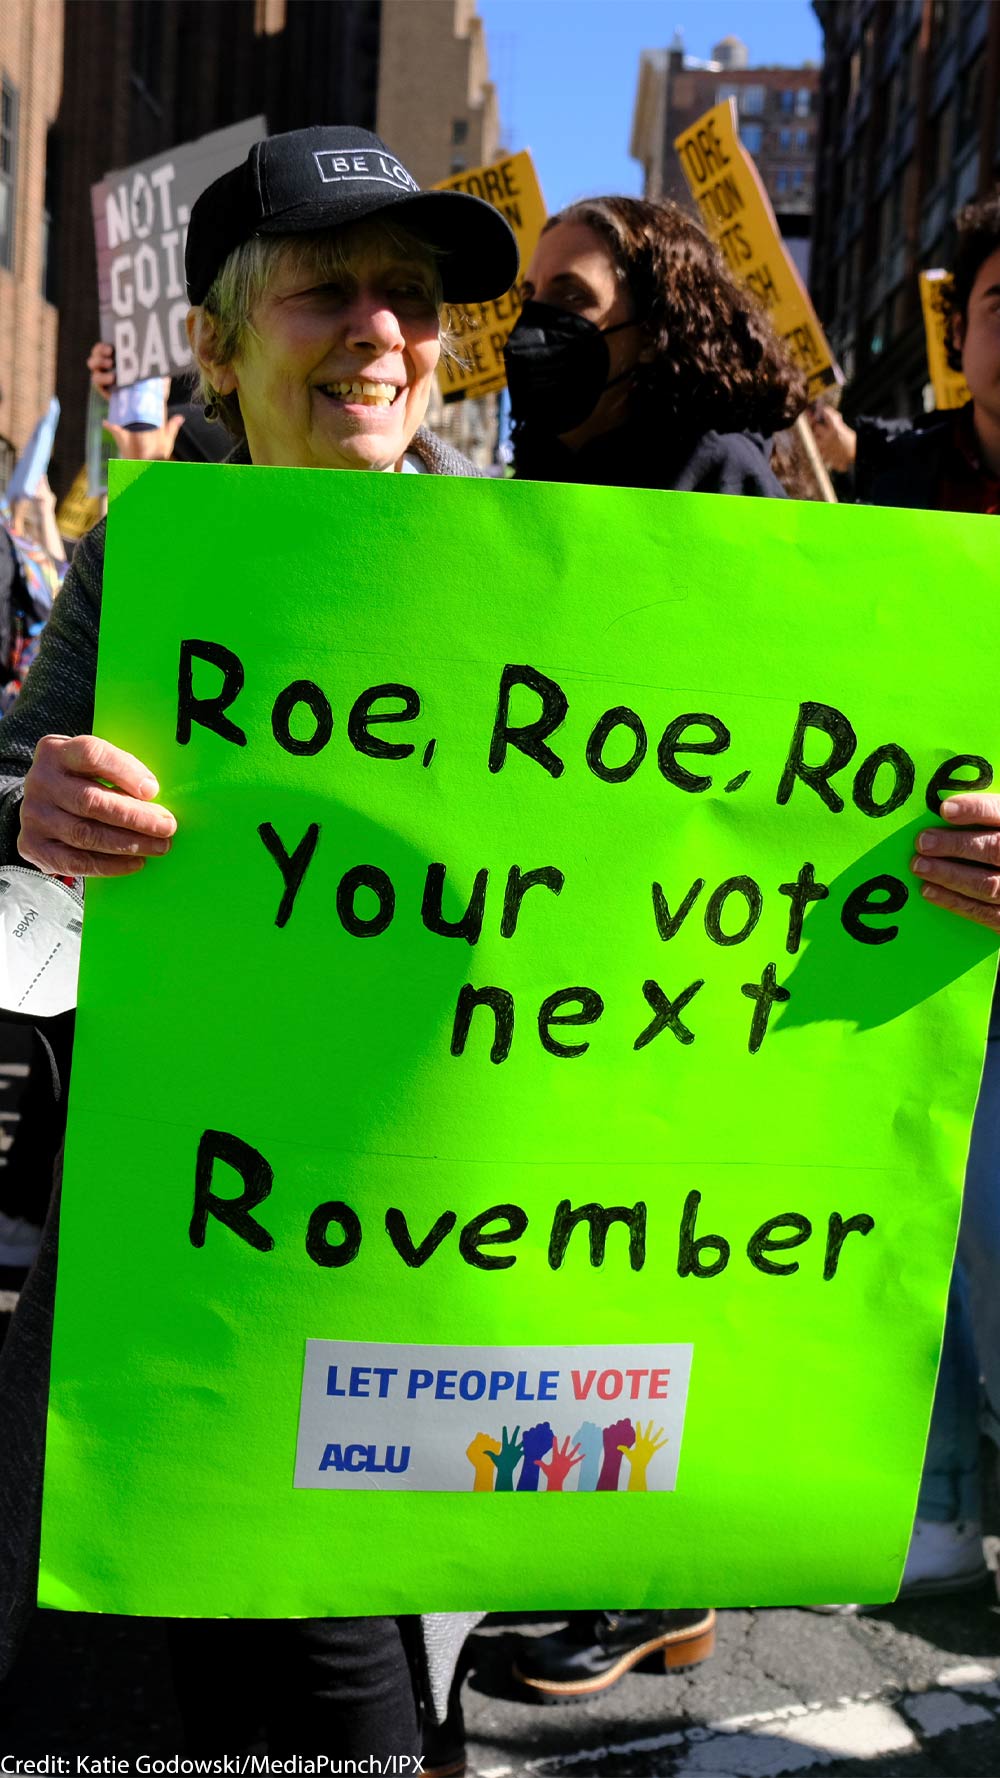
(478, 1454)
(506, 1460)
(559, 1464)
(590, 1441)
(537, 1444)
(617, 1438)
(643, 1447)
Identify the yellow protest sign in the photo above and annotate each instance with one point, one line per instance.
(736, 212)
(950, 387)
(480, 330)
(78, 513)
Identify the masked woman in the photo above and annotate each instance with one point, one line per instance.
(638, 361)
(317, 272)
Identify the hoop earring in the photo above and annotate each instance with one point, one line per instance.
(212, 409)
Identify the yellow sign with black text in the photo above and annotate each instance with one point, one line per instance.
(77, 513)
(736, 212)
(480, 330)
(950, 387)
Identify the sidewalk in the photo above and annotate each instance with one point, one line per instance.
(909, 1692)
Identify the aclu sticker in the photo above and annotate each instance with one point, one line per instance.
(492, 1419)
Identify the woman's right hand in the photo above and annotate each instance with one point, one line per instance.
(88, 810)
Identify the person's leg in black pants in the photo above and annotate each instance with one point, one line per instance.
(339, 1686)
(344, 1686)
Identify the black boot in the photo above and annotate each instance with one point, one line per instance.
(597, 1647)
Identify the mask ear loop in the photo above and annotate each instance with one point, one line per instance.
(619, 327)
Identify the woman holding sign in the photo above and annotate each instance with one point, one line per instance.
(317, 273)
(638, 361)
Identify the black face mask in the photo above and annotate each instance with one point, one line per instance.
(557, 367)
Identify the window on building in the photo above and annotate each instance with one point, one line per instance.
(268, 17)
(853, 174)
(802, 140)
(944, 22)
(722, 93)
(781, 180)
(937, 145)
(803, 102)
(970, 101)
(752, 137)
(891, 220)
(459, 131)
(147, 47)
(786, 102)
(845, 281)
(914, 58)
(52, 165)
(891, 101)
(799, 181)
(752, 101)
(785, 140)
(8, 170)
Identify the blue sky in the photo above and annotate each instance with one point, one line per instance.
(567, 72)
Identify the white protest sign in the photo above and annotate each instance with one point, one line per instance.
(140, 224)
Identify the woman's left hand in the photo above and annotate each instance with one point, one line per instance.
(960, 864)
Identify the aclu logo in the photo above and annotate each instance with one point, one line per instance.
(362, 163)
(363, 1459)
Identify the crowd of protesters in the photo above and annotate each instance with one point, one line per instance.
(637, 361)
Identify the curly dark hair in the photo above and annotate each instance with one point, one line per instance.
(978, 227)
(718, 364)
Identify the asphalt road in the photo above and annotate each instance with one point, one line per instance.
(908, 1692)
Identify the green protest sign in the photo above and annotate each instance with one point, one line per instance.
(533, 1070)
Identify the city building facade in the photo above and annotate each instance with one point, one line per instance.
(909, 130)
(88, 88)
(30, 86)
(777, 109)
(439, 47)
(141, 76)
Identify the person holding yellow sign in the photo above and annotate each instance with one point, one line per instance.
(638, 361)
(948, 460)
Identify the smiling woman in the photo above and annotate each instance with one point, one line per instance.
(320, 351)
(316, 273)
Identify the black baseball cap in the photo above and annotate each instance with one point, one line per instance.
(317, 179)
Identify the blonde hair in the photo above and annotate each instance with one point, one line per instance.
(242, 280)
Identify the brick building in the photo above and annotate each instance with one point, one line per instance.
(777, 113)
(30, 84)
(909, 131)
(439, 47)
